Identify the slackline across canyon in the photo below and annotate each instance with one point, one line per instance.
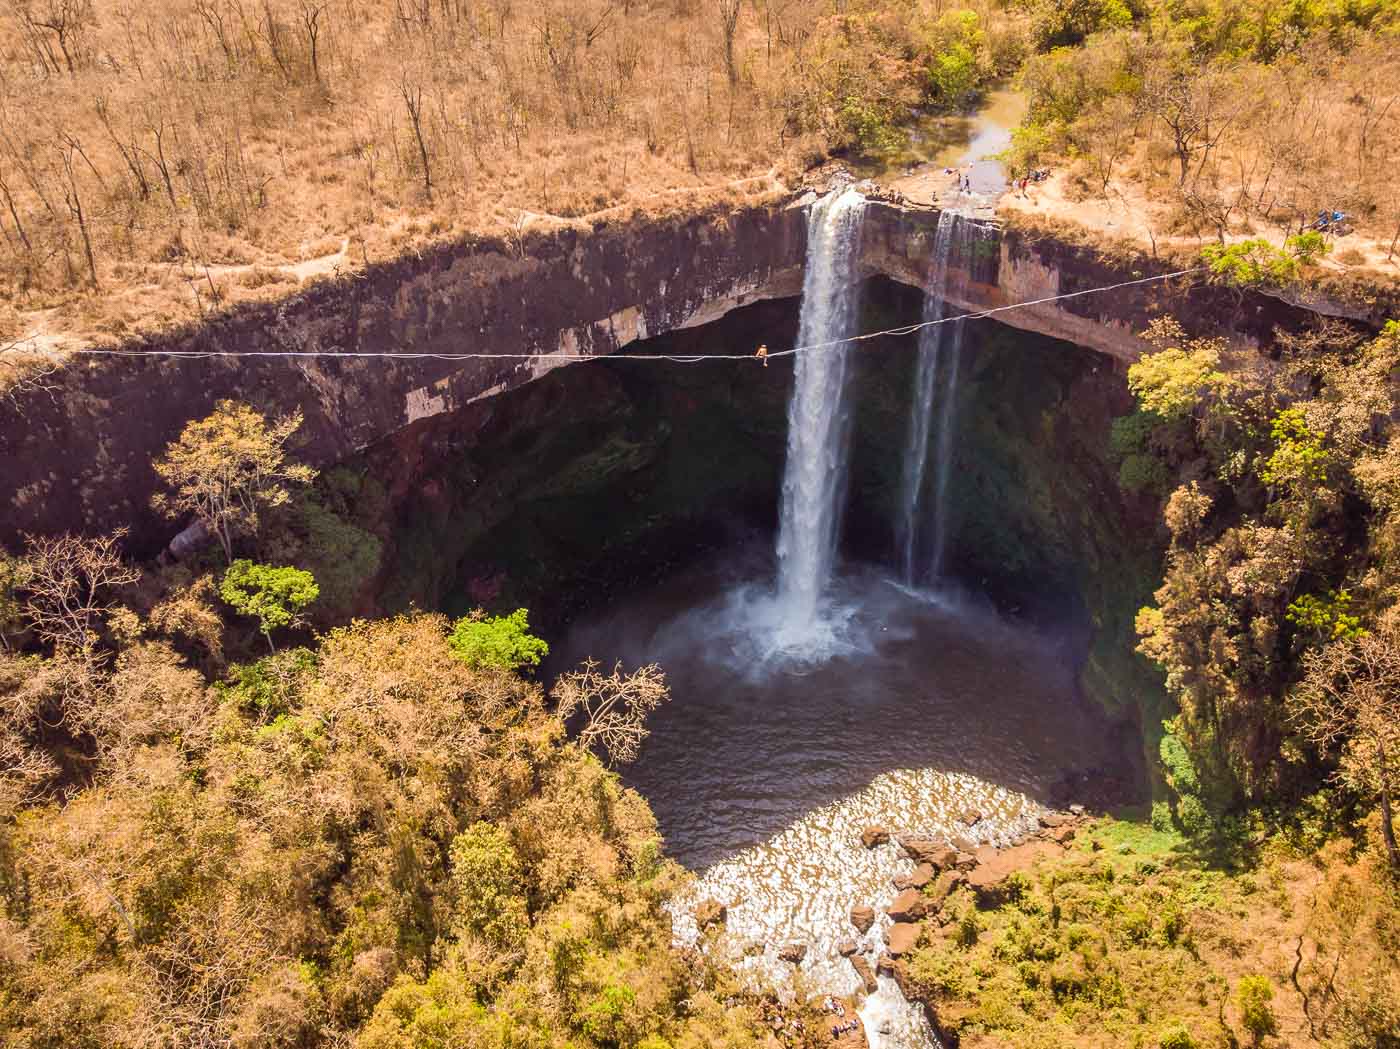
(764, 357)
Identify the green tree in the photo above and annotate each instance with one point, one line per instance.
(480, 640)
(275, 596)
(1057, 23)
(1250, 263)
(487, 881)
(1325, 617)
(1300, 458)
(956, 42)
(1253, 994)
(227, 468)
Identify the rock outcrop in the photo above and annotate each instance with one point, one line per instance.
(865, 973)
(908, 906)
(873, 836)
(902, 938)
(915, 879)
(862, 918)
(792, 953)
(575, 289)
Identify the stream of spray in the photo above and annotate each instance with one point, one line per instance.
(933, 415)
(818, 422)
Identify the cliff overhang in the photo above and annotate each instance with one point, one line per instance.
(77, 455)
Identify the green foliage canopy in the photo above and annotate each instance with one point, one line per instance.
(497, 641)
(275, 596)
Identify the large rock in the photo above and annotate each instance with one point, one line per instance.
(937, 854)
(710, 912)
(866, 974)
(1061, 835)
(908, 906)
(846, 948)
(915, 879)
(988, 879)
(900, 939)
(862, 918)
(873, 836)
(792, 952)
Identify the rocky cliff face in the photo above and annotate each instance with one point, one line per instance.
(78, 457)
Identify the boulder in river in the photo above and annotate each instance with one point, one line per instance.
(937, 854)
(866, 974)
(901, 938)
(846, 948)
(710, 912)
(873, 836)
(908, 906)
(915, 879)
(862, 918)
(793, 952)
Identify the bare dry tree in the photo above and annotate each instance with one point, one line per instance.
(67, 585)
(729, 24)
(411, 91)
(1349, 702)
(615, 706)
(24, 370)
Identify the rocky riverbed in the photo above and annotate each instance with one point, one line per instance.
(832, 907)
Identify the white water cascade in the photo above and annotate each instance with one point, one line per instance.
(935, 399)
(818, 422)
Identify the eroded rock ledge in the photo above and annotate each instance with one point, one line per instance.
(77, 456)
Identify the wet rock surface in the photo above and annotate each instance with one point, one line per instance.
(937, 854)
(793, 953)
(872, 837)
(862, 917)
(908, 906)
(915, 879)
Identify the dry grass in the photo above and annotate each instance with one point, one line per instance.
(1226, 150)
(161, 159)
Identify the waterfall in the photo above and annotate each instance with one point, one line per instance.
(935, 398)
(818, 429)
